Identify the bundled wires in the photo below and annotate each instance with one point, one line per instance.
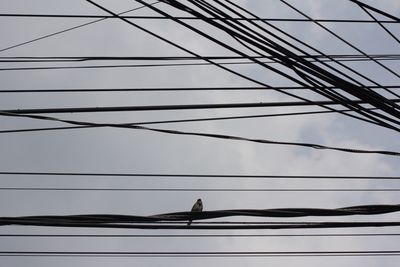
(269, 44)
(310, 78)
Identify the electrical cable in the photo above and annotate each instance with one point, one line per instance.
(193, 18)
(175, 121)
(178, 220)
(194, 54)
(9, 112)
(68, 29)
(185, 8)
(200, 254)
(197, 235)
(290, 64)
(209, 135)
(328, 58)
(202, 176)
(180, 6)
(184, 216)
(7, 221)
(343, 40)
(96, 189)
(308, 46)
(171, 89)
(380, 24)
(394, 18)
(148, 65)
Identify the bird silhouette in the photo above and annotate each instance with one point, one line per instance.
(197, 207)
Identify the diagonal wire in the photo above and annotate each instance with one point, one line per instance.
(68, 29)
(343, 40)
(216, 64)
(346, 85)
(209, 135)
(178, 121)
(380, 24)
(394, 18)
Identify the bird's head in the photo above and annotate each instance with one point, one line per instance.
(199, 200)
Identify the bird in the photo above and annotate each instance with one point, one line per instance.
(197, 207)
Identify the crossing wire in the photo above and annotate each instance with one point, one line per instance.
(374, 116)
(223, 44)
(68, 29)
(201, 134)
(176, 121)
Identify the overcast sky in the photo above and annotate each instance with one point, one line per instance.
(114, 150)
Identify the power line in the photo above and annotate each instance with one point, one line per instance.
(88, 189)
(202, 254)
(175, 226)
(195, 235)
(177, 107)
(75, 59)
(370, 119)
(202, 176)
(171, 89)
(307, 77)
(342, 40)
(327, 57)
(149, 65)
(380, 24)
(175, 121)
(168, 220)
(361, 4)
(208, 135)
(68, 29)
(89, 16)
(308, 72)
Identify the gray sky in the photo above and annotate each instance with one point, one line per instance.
(134, 151)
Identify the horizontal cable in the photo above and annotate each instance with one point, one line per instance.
(394, 18)
(192, 18)
(153, 65)
(179, 121)
(146, 222)
(168, 89)
(202, 176)
(69, 29)
(178, 107)
(36, 59)
(202, 189)
(194, 235)
(200, 134)
(155, 226)
(227, 61)
(308, 72)
(203, 254)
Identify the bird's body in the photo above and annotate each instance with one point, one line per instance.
(197, 207)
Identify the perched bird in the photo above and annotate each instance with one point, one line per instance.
(197, 207)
